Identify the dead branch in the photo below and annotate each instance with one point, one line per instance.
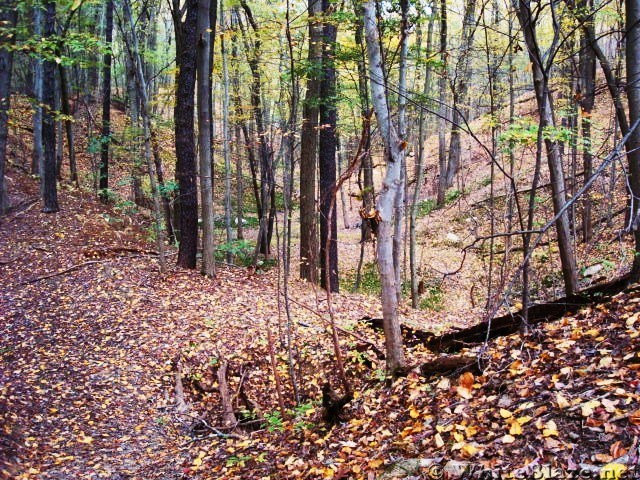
(62, 272)
(181, 404)
(228, 417)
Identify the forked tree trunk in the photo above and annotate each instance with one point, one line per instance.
(396, 362)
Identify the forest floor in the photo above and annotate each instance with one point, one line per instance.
(108, 370)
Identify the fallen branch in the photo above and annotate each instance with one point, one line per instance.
(511, 322)
(228, 417)
(447, 365)
(62, 272)
(181, 404)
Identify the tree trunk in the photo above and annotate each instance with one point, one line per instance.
(205, 43)
(68, 123)
(633, 144)
(186, 42)
(106, 104)
(419, 174)
(327, 155)
(554, 160)
(8, 17)
(225, 137)
(308, 150)
(37, 158)
(49, 185)
(146, 118)
(460, 87)
(442, 123)
(587, 92)
(396, 362)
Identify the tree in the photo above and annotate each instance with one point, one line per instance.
(204, 136)
(327, 145)
(49, 185)
(540, 72)
(8, 18)
(106, 103)
(186, 50)
(308, 148)
(633, 145)
(396, 362)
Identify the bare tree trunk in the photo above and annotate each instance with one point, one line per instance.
(327, 156)
(587, 92)
(225, 136)
(8, 17)
(205, 43)
(68, 123)
(49, 185)
(399, 201)
(37, 159)
(134, 54)
(460, 88)
(186, 41)
(396, 362)
(442, 109)
(545, 110)
(103, 184)
(633, 145)
(419, 174)
(308, 150)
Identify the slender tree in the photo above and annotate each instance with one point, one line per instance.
(8, 18)
(204, 141)
(49, 185)
(396, 362)
(106, 103)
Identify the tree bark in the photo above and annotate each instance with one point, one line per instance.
(396, 362)
(225, 136)
(106, 104)
(554, 160)
(633, 144)
(308, 149)
(8, 17)
(205, 43)
(327, 146)
(186, 42)
(442, 109)
(49, 185)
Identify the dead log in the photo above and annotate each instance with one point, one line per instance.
(539, 313)
(448, 365)
(411, 336)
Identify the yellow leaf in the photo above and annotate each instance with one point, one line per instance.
(469, 449)
(439, 440)
(413, 412)
(587, 408)
(504, 413)
(524, 419)
(562, 401)
(458, 437)
(612, 471)
(550, 429)
(375, 463)
(515, 428)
